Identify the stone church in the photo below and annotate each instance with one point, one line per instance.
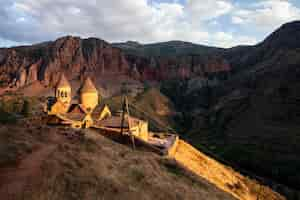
(82, 114)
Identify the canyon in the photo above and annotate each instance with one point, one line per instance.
(240, 104)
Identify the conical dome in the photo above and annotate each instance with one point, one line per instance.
(63, 82)
(88, 87)
(89, 95)
(63, 90)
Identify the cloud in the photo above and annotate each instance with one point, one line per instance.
(238, 20)
(114, 20)
(205, 10)
(111, 20)
(29, 21)
(266, 15)
(15, 26)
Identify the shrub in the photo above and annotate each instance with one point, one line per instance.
(26, 108)
(137, 174)
(7, 118)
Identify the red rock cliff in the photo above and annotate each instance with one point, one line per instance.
(74, 56)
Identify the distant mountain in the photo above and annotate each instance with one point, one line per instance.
(167, 49)
(280, 48)
(284, 41)
(174, 59)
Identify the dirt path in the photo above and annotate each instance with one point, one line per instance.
(16, 181)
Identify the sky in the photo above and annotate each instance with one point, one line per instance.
(222, 23)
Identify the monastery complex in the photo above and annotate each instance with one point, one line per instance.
(89, 111)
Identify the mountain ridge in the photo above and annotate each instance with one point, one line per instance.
(157, 61)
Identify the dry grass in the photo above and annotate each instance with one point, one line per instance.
(97, 168)
(17, 140)
(222, 176)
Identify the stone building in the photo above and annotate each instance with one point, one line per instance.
(82, 114)
(89, 111)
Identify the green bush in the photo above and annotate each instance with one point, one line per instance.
(11, 105)
(17, 106)
(26, 110)
(7, 118)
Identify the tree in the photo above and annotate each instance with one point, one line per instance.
(26, 109)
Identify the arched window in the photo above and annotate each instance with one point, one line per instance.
(66, 94)
(62, 94)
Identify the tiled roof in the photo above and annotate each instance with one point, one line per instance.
(75, 116)
(75, 113)
(113, 122)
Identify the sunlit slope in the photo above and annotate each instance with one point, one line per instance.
(222, 176)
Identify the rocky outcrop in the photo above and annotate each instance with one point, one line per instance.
(181, 67)
(74, 56)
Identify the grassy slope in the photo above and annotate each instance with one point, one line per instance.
(90, 168)
(150, 105)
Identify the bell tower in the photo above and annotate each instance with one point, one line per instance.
(63, 90)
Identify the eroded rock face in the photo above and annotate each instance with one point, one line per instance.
(74, 56)
(161, 68)
(79, 58)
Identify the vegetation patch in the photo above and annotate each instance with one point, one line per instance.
(137, 174)
(151, 105)
(7, 118)
(12, 108)
(173, 167)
